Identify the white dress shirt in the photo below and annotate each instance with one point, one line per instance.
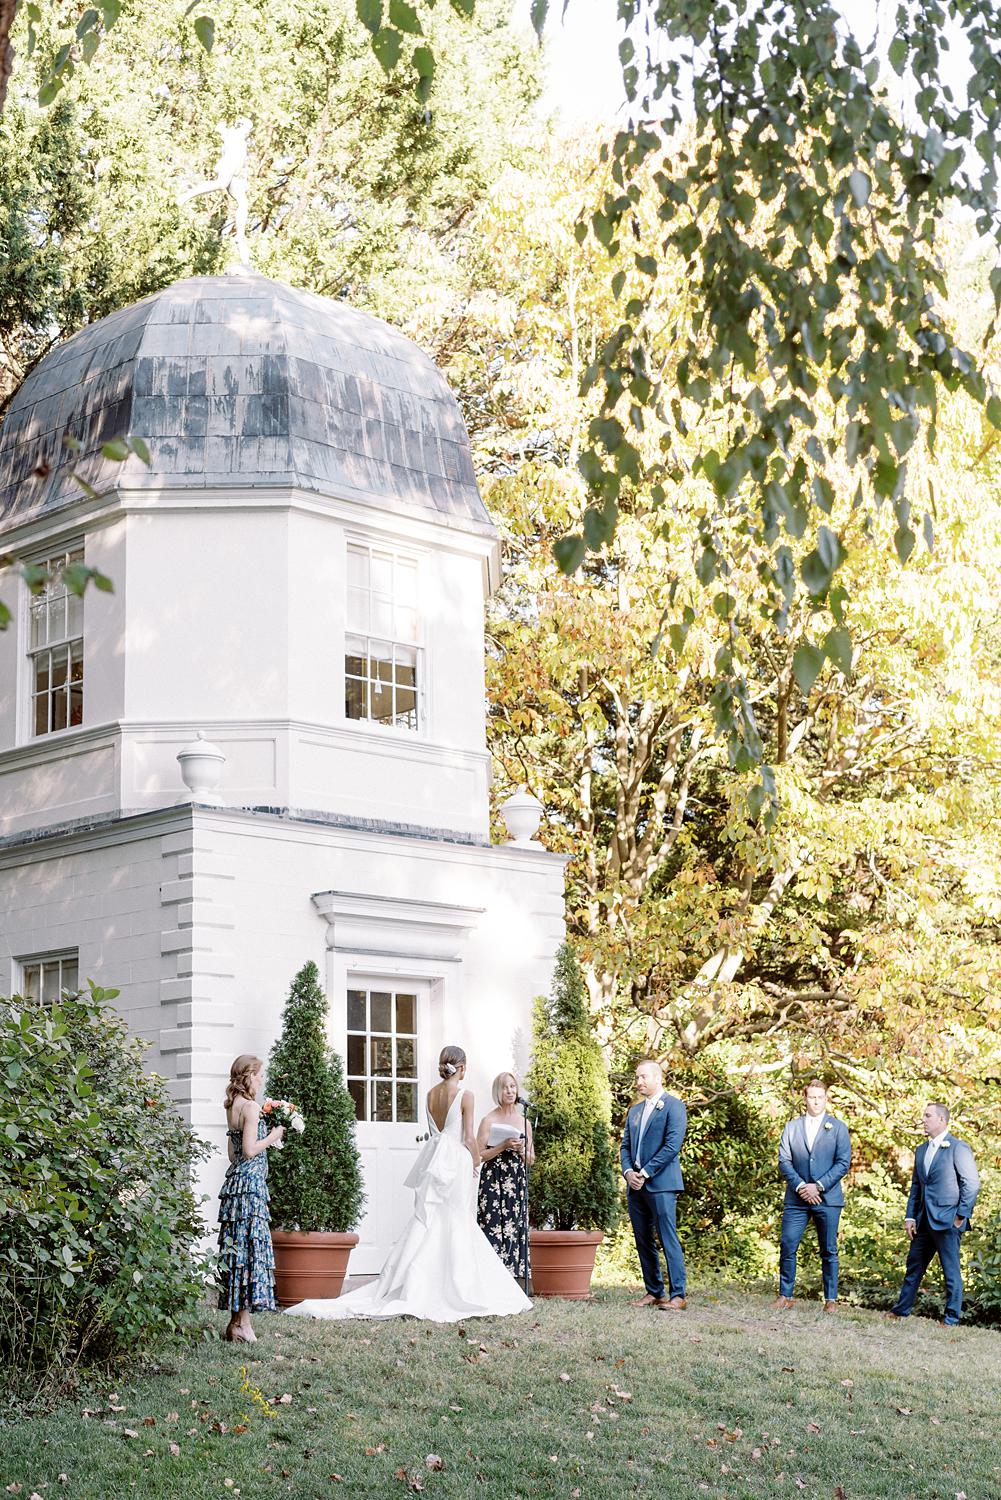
(934, 1142)
(645, 1118)
(813, 1124)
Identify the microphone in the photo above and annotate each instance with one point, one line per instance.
(522, 1102)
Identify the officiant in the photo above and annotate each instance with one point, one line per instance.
(505, 1145)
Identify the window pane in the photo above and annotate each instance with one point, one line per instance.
(357, 568)
(356, 1012)
(76, 705)
(30, 980)
(381, 1011)
(406, 667)
(382, 665)
(381, 575)
(39, 619)
(406, 1007)
(406, 624)
(382, 1056)
(383, 1102)
(70, 977)
(42, 714)
(357, 1088)
(406, 1059)
(406, 1101)
(358, 609)
(74, 615)
(59, 709)
(406, 708)
(59, 665)
(355, 699)
(382, 616)
(382, 703)
(42, 673)
(50, 983)
(356, 1055)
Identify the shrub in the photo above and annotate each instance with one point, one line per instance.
(100, 1222)
(574, 1182)
(315, 1181)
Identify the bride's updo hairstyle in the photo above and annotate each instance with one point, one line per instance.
(450, 1061)
(242, 1071)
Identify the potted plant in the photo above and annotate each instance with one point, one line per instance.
(315, 1180)
(573, 1191)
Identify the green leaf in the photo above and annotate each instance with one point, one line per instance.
(87, 20)
(387, 47)
(370, 14)
(860, 186)
(405, 18)
(904, 540)
(205, 31)
(569, 553)
(838, 646)
(116, 449)
(807, 661)
(539, 13)
(140, 449)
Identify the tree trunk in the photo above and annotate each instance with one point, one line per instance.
(8, 10)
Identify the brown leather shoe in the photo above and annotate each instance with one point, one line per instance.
(648, 1301)
(897, 1317)
(782, 1304)
(830, 1307)
(675, 1304)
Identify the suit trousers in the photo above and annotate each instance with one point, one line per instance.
(926, 1244)
(654, 1216)
(795, 1217)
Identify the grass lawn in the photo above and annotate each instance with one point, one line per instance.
(591, 1400)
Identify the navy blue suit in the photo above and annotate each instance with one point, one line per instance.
(938, 1197)
(825, 1164)
(653, 1208)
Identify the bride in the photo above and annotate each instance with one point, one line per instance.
(442, 1267)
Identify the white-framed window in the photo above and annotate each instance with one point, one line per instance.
(382, 1053)
(383, 660)
(44, 976)
(55, 649)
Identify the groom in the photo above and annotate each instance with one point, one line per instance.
(651, 1141)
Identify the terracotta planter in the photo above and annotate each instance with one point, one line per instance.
(563, 1261)
(309, 1264)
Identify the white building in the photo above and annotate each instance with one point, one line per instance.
(299, 575)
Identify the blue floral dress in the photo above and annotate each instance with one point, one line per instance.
(246, 1259)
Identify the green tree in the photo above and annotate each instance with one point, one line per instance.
(573, 1184)
(315, 1180)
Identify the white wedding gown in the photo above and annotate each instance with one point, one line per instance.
(442, 1267)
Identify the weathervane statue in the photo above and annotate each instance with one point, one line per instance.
(230, 178)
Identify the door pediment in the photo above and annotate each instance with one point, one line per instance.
(394, 926)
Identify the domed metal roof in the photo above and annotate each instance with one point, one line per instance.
(241, 381)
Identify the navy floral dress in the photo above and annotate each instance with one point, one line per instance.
(246, 1259)
(500, 1210)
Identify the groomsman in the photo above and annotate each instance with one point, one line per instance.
(944, 1187)
(814, 1154)
(653, 1136)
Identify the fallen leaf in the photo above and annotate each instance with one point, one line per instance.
(788, 1369)
(935, 1421)
(149, 1421)
(371, 1452)
(434, 1462)
(129, 1432)
(284, 1399)
(239, 1428)
(564, 1376)
(337, 1478)
(112, 1407)
(175, 1451)
(813, 1426)
(14, 1489)
(905, 1411)
(839, 1492)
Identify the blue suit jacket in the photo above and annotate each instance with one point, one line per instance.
(949, 1191)
(656, 1153)
(825, 1165)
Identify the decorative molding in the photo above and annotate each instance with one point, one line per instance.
(395, 927)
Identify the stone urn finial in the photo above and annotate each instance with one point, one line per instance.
(522, 813)
(201, 765)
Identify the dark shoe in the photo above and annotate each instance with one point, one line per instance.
(675, 1304)
(782, 1304)
(648, 1301)
(897, 1317)
(943, 1324)
(830, 1307)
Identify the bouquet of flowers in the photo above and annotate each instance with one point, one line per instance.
(283, 1112)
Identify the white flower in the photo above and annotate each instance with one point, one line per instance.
(827, 1125)
(659, 1104)
(297, 1123)
(945, 1145)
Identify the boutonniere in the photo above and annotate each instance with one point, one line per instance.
(659, 1104)
(945, 1145)
(827, 1125)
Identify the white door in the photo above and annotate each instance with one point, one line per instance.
(386, 1055)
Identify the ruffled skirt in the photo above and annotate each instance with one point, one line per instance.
(246, 1256)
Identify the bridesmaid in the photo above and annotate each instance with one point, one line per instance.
(246, 1259)
(502, 1202)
